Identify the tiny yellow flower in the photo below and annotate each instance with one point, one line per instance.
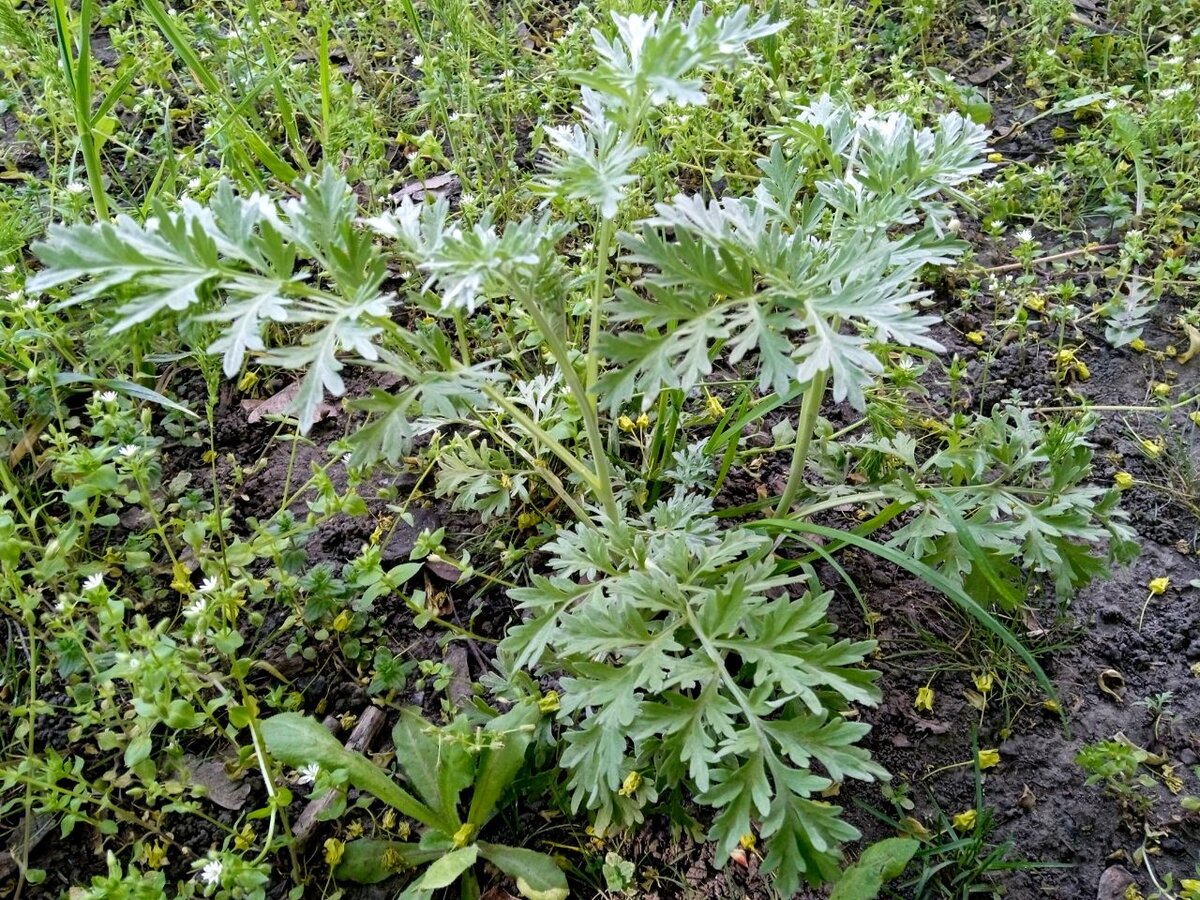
(625, 423)
(643, 421)
(983, 682)
(548, 703)
(354, 829)
(988, 759)
(965, 821)
(975, 337)
(629, 786)
(247, 381)
(155, 855)
(995, 157)
(1123, 481)
(714, 407)
(1051, 706)
(1190, 888)
(464, 835)
(1195, 417)
(747, 841)
(1036, 302)
(1161, 389)
(389, 819)
(1159, 585)
(334, 851)
(392, 860)
(924, 699)
(343, 621)
(1171, 779)
(245, 838)
(1137, 345)
(1082, 371)
(1153, 448)
(527, 520)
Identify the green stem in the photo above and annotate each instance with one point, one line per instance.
(593, 352)
(78, 75)
(601, 478)
(809, 409)
(539, 434)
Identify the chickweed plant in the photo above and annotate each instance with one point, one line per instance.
(693, 659)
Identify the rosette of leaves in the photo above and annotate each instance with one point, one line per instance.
(460, 774)
(687, 659)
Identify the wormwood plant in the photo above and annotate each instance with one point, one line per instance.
(689, 658)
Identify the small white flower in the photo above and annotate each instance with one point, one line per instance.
(9, 269)
(467, 200)
(109, 397)
(1025, 236)
(194, 184)
(15, 296)
(418, 61)
(308, 775)
(76, 187)
(192, 610)
(30, 304)
(211, 873)
(129, 451)
(209, 584)
(93, 582)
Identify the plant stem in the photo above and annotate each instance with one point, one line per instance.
(601, 478)
(809, 409)
(78, 74)
(593, 352)
(539, 434)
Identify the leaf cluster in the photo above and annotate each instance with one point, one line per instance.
(686, 659)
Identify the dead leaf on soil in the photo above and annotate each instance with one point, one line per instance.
(1193, 335)
(279, 403)
(219, 787)
(986, 74)
(434, 186)
(1112, 682)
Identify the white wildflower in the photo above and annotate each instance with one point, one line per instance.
(209, 584)
(129, 451)
(1025, 236)
(93, 582)
(308, 774)
(76, 187)
(109, 397)
(194, 609)
(211, 873)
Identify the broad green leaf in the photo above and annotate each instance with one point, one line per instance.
(444, 871)
(439, 769)
(300, 741)
(500, 762)
(879, 863)
(538, 877)
(369, 861)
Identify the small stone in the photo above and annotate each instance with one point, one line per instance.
(1113, 883)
